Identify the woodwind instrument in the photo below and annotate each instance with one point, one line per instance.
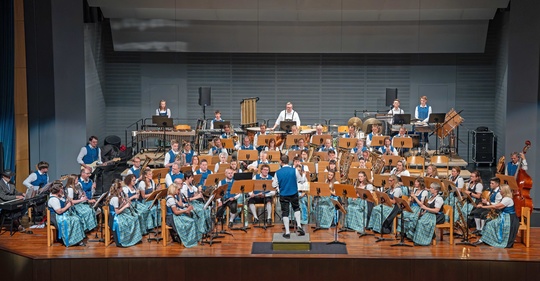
(125, 200)
(188, 204)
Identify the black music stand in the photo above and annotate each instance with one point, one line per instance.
(262, 185)
(403, 206)
(155, 196)
(287, 125)
(366, 195)
(452, 189)
(438, 119)
(340, 208)
(221, 125)
(383, 200)
(164, 122)
(401, 119)
(99, 204)
(217, 194)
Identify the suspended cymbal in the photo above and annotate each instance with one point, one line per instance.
(371, 121)
(355, 122)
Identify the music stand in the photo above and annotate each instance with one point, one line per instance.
(247, 155)
(465, 240)
(214, 179)
(403, 206)
(320, 189)
(323, 155)
(216, 195)
(429, 180)
(377, 141)
(346, 190)
(401, 119)
(401, 143)
(408, 181)
(154, 197)
(293, 139)
(242, 186)
(391, 160)
(437, 118)
(273, 156)
(228, 143)
(347, 143)
(286, 125)
(221, 124)
(184, 169)
(340, 208)
(264, 140)
(383, 199)
(223, 167)
(353, 173)
(381, 181)
(164, 122)
(368, 197)
(100, 230)
(320, 139)
(262, 185)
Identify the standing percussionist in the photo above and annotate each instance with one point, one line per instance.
(90, 153)
(512, 166)
(422, 112)
(38, 178)
(287, 115)
(286, 181)
(162, 110)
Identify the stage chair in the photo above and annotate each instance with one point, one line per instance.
(262, 205)
(107, 231)
(441, 159)
(525, 226)
(416, 161)
(240, 207)
(449, 224)
(51, 230)
(165, 229)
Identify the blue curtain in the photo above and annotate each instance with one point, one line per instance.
(7, 113)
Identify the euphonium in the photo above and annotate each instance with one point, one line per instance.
(345, 161)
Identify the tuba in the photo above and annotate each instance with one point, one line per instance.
(345, 160)
(377, 162)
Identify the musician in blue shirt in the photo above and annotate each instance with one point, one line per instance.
(422, 112)
(229, 199)
(38, 178)
(512, 166)
(258, 197)
(89, 153)
(217, 118)
(286, 181)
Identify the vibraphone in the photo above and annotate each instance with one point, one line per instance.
(140, 136)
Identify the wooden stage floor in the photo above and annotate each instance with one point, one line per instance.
(27, 257)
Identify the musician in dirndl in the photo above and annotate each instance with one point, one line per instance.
(125, 225)
(359, 209)
(162, 110)
(70, 227)
(418, 194)
(146, 187)
(89, 153)
(192, 195)
(389, 213)
(431, 214)
(81, 205)
(180, 218)
(140, 208)
(326, 212)
(501, 231)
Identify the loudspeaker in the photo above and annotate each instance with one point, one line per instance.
(205, 96)
(1, 157)
(484, 144)
(391, 95)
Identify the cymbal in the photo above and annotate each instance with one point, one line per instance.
(355, 122)
(370, 121)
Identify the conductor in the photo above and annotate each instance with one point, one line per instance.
(285, 180)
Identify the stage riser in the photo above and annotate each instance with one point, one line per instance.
(15, 267)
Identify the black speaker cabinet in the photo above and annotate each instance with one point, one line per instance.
(483, 147)
(391, 96)
(1, 157)
(205, 96)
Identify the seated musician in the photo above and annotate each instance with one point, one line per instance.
(431, 213)
(194, 163)
(459, 183)
(217, 148)
(246, 145)
(70, 228)
(39, 178)
(431, 171)
(258, 197)
(359, 209)
(389, 213)
(294, 130)
(173, 155)
(229, 200)
(89, 153)
(517, 159)
(180, 218)
(302, 187)
(222, 160)
(162, 110)
(479, 213)
(351, 133)
(193, 196)
(272, 145)
(78, 197)
(327, 146)
(262, 132)
(304, 156)
(227, 134)
(501, 231)
(235, 167)
(263, 159)
(474, 189)
(401, 134)
(189, 153)
(400, 170)
(146, 187)
(8, 192)
(88, 186)
(136, 168)
(388, 149)
(332, 166)
(359, 148)
(419, 193)
(139, 208)
(300, 145)
(318, 132)
(125, 225)
(326, 212)
(217, 118)
(174, 176)
(332, 156)
(375, 131)
(203, 170)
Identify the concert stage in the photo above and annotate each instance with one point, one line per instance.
(27, 257)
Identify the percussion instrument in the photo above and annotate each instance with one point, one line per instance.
(169, 135)
(182, 127)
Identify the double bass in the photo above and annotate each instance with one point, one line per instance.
(522, 195)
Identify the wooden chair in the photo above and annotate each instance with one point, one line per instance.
(525, 226)
(441, 160)
(262, 205)
(106, 228)
(417, 161)
(165, 229)
(449, 224)
(51, 230)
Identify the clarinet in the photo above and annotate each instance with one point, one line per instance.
(188, 204)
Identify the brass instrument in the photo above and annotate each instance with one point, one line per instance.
(145, 164)
(377, 162)
(461, 223)
(501, 165)
(180, 158)
(356, 123)
(345, 159)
